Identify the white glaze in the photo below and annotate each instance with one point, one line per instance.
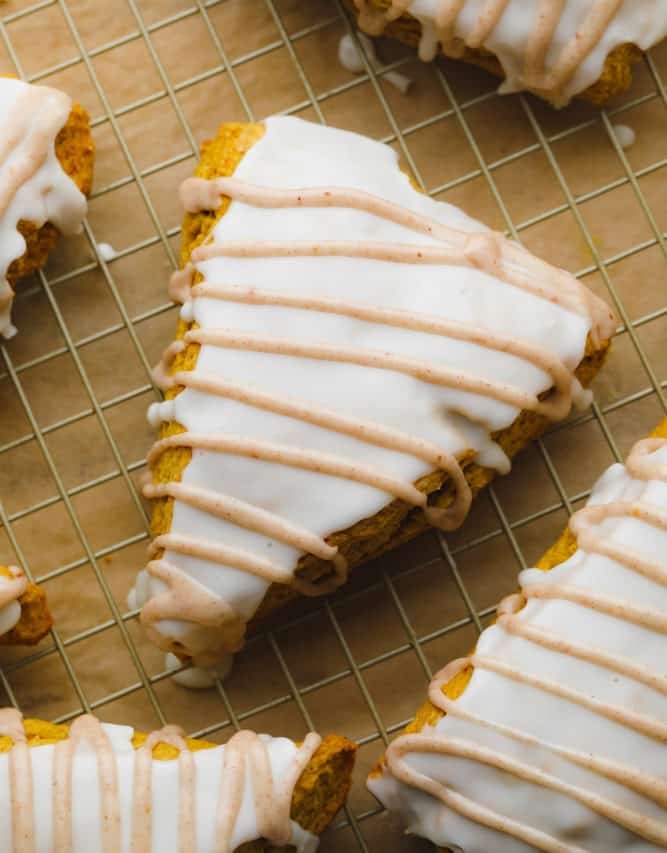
(166, 796)
(351, 60)
(11, 589)
(293, 153)
(642, 22)
(627, 680)
(30, 115)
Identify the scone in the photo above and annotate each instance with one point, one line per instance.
(46, 172)
(557, 49)
(552, 735)
(24, 613)
(108, 789)
(354, 361)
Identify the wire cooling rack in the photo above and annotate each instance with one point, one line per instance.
(157, 76)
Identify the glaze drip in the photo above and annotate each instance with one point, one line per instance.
(12, 587)
(418, 267)
(557, 54)
(221, 777)
(610, 638)
(34, 186)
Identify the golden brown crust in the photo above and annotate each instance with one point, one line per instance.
(397, 522)
(561, 550)
(615, 79)
(35, 622)
(76, 152)
(318, 795)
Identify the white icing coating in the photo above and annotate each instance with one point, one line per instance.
(514, 30)
(11, 589)
(625, 135)
(149, 806)
(383, 313)
(33, 185)
(9, 614)
(559, 740)
(159, 412)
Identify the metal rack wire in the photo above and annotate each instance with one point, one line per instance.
(354, 662)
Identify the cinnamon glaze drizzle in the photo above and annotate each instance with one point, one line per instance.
(485, 251)
(585, 525)
(534, 74)
(245, 762)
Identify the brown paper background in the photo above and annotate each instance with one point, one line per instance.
(157, 77)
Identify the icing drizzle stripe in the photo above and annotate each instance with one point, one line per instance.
(246, 515)
(624, 666)
(645, 725)
(323, 463)
(608, 604)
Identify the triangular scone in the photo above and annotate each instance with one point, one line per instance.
(105, 788)
(552, 735)
(557, 49)
(354, 361)
(46, 171)
(24, 613)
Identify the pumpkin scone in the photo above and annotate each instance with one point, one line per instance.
(46, 172)
(24, 613)
(107, 789)
(557, 49)
(354, 361)
(552, 734)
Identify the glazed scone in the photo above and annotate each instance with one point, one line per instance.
(46, 172)
(24, 613)
(105, 788)
(354, 361)
(552, 735)
(557, 49)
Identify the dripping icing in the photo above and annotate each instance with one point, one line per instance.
(35, 188)
(12, 587)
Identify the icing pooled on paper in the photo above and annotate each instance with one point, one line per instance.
(350, 58)
(559, 740)
(393, 335)
(94, 792)
(554, 47)
(33, 185)
(625, 135)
